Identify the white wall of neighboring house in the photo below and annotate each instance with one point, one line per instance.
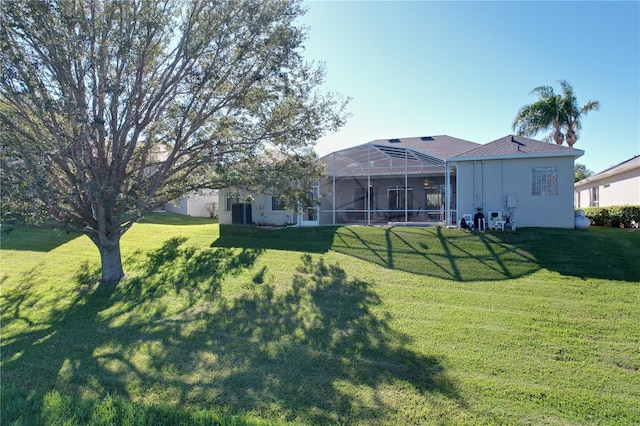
(617, 186)
(197, 205)
(489, 184)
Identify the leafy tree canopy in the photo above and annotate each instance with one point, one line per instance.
(107, 108)
(581, 172)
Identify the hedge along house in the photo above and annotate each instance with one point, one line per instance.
(616, 186)
(527, 180)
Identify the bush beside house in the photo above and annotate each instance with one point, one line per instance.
(615, 216)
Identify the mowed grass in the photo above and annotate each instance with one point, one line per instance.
(329, 325)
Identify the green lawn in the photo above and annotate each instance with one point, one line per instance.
(326, 325)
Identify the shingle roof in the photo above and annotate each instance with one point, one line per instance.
(623, 167)
(419, 154)
(440, 146)
(434, 151)
(631, 162)
(512, 146)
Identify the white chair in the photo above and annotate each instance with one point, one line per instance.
(468, 219)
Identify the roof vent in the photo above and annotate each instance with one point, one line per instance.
(394, 140)
(517, 143)
(426, 138)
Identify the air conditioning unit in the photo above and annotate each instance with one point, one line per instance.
(493, 218)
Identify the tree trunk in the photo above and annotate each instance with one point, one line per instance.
(111, 262)
(558, 137)
(571, 137)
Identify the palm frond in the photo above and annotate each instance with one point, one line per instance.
(555, 112)
(590, 106)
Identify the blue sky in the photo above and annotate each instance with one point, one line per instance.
(464, 68)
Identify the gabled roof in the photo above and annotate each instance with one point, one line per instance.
(512, 146)
(385, 155)
(631, 163)
(440, 146)
(627, 165)
(430, 153)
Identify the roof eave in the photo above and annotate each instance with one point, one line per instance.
(522, 155)
(608, 173)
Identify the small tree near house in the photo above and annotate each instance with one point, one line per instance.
(212, 208)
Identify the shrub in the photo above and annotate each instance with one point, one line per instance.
(615, 216)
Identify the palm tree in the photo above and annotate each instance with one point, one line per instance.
(574, 112)
(555, 112)
(545, 113)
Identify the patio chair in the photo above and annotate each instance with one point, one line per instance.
(468, 220)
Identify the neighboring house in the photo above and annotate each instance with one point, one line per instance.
(435, 180)
(204, 204)
(616, 186)
(263, 210)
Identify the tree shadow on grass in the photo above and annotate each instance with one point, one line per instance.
(318, 239)
(313, 349)
(306, 350)
(36, 239)
(602, 253)
(441, 253)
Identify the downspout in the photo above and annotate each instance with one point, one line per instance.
(333, 190)
(447, 197)
(482, 204)
(475, 184)
(368, 197)
(502, 199)
(406, 186)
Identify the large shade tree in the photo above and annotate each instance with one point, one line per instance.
(560, 114)
(110, 107)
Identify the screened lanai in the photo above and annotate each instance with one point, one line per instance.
(392, 181)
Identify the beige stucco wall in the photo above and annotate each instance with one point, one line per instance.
(614, 190)
(487, 184)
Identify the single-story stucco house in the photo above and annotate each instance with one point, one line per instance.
(433, 180)
(616, 186)
(203, 204)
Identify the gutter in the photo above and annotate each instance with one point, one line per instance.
(609, 173)
(578, 153)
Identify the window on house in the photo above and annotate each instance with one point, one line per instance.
(231, 201)
(275, 205)
(396, 198)
(595, 196)
(544, 181)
